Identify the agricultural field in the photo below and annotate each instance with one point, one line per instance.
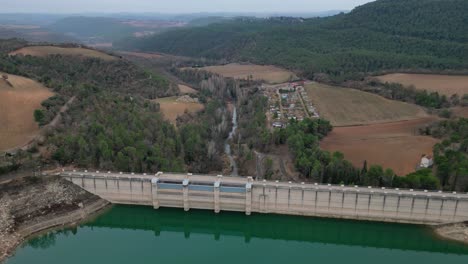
(19, 97)
(393, 145)
(349, 107)
(42, 51)
(443, 84)
(172, 107)
(184, 89)
(270, 74)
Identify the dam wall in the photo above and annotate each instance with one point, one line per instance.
(240, 194)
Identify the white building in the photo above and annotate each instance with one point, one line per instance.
(278, 125)
(426, 162)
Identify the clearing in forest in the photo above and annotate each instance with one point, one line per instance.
(19, 97)
(172, 107)
(460, 111)
(395, 145)
(42, 51)
(348, 107)
(443, 84)
(184, 89)
(267, 73)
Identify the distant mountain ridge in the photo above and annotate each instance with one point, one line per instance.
(92, 27)
(381, 35)
(34, 35)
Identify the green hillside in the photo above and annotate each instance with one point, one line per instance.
(382, 35)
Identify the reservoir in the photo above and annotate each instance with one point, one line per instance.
(134, 234)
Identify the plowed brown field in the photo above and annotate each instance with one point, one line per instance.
(394, 145)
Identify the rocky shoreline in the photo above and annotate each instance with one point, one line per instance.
(456, 231)
(32, 205)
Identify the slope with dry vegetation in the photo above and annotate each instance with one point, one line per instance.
(19, 97)
(43, 51)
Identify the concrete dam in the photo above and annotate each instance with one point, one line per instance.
(221, 193)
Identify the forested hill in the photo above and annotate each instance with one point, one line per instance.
(382, 35)
(428, 19)
(111, 123)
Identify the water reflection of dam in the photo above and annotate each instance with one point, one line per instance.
(277, 227)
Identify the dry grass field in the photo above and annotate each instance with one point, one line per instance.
(348, 107)
(270, 74)
(17, 105)
(41, 51)
(443, 84)
(172, 109)
(186, 89)
(393, 145)
(460, 111)
(142, 55)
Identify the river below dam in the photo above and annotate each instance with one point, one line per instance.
(227, 146)
(134, 234)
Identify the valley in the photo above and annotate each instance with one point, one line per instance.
(359, 114)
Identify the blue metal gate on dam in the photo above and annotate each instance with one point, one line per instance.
(243, 194)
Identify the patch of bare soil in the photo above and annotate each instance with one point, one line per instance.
(458, 232)
(184, 89)
(173, 107)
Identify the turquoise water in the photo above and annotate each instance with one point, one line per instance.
(131, 234)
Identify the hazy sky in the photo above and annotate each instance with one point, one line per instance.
(176, 6)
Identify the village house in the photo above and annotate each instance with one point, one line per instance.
(426, 161)
(278, 125)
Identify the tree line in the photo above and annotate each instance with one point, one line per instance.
(451, 155)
